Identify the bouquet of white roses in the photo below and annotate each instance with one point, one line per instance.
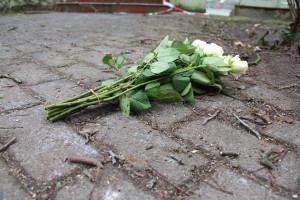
(171, 72)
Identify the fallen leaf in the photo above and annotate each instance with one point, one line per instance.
(265, 118)
(234, 164)
(239, 43)
(277, 149)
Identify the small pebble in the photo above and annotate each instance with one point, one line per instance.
(295, 196)
(45, 196)
(234, 164)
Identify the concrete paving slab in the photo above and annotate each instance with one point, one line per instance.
(219, 137)
(112, 185)
(42, 147)
(57, 90)
(32, 74)
(132, 138)
(230, 185)
(13, 97)
(9, 187)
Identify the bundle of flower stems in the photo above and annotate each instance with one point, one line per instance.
(171, 72)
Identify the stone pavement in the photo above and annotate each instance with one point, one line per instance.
(168, 153)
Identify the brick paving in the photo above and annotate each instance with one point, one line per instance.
(168, 153)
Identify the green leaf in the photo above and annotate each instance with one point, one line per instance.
(133, 69)
(188, 73)
(195, 59)
(119, 61)
(105, 59)
(190, 96)
(162, 67)
(149, 57)
(125, 105)
(166, 86)
(152, 85)
(139, 101)
(180, 82)
(200, 78)
(218, 86)
(185, 58)
(163, 44)
(167, 95)
(186, 90)
(168, 55)
(199, 91)
(213, 61)
(115, 63)
(108, 82)
(147, 73)
(187, 41)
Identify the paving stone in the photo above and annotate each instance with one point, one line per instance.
(42, 146)
(31, 73)
(273, 97)
(217, 134)
(93, 57)
(285, 132)
(67, 48)
(131, 138)
(29, 47)
(218, 102)
(9, 187)
(113, 185)
(90, 76)
(13, 97)
(230, 181)
(164, 114)
(58, 90)
(288, 172)
(53, 59)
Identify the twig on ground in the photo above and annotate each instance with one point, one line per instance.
(218, 187)
(255, 62)
(85, 160)
(177, 160)
(12, 78)
(115, 158)
(211, 117)
(1, 127)
(288, 86)
(165, 179)
(229, 154)
(257, 134)
(4, 147)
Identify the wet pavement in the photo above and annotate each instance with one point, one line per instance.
(164, 153)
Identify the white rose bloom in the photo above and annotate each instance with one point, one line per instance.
(227, 60)
(199, 44)
(235, 58)
(239, 67)
(213, 50)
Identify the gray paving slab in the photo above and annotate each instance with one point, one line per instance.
(13, 97)
(58, 90)
(32, 74)
(227, 184)
(219, 137)
(112, 185)
(85, 74)
(9, 187)
(42, 147)
(132, 138)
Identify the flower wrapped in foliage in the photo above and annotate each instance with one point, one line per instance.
(171, 72)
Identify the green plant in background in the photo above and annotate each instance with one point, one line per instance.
(172, 72)
(17, 5)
